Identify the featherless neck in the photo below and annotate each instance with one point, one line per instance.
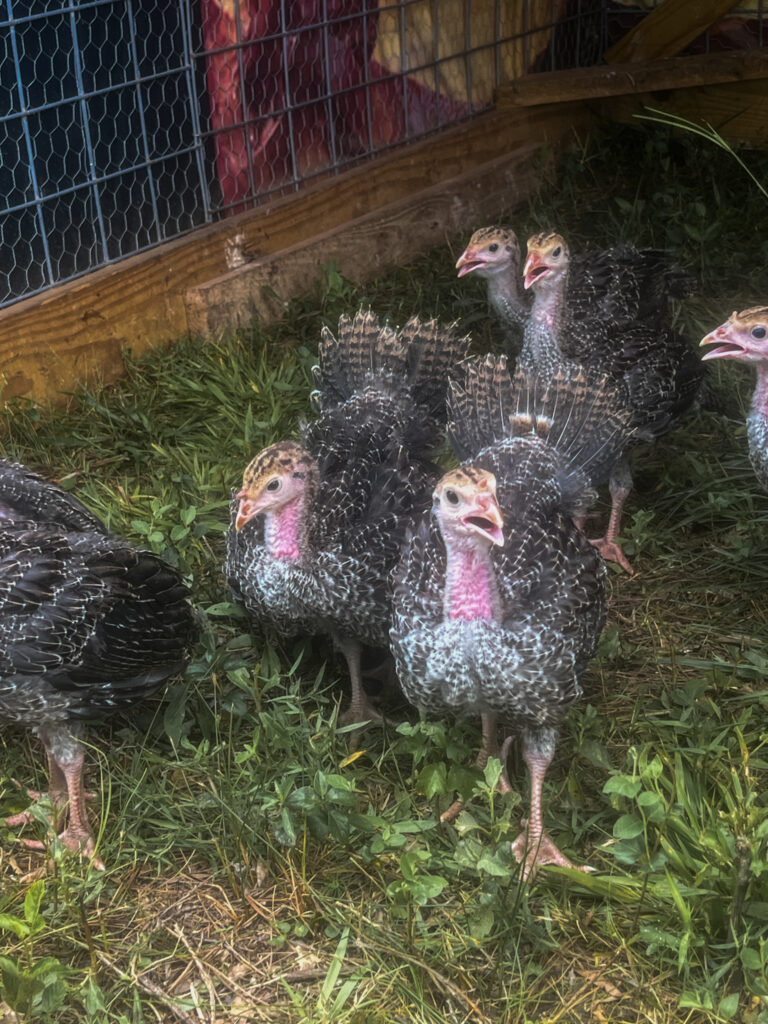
(285, 530)
(543, 331)
(549, 303)
(757, 426)
(760, 394)
(505, 295)
(471, 590)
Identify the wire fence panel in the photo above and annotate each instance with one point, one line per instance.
(126, 123)
(299, 90)
(99, 155)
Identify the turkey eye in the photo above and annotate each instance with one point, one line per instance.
(493, 247)
(273, 485)
(452, 497)
(758, 332)
(556, 252)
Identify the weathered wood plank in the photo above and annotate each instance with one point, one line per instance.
(51, 342)
(667, 30)
(739, 111)
(368, 246)
(623, 79)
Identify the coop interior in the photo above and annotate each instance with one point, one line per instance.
(191, 192)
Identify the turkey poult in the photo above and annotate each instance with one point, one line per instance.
(744, 336)
(89, 624)
(610, 313)
(317, 525)
(493, 253)
(499, 599)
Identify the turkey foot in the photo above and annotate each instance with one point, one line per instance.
(534, 851)
(361, 711)
(69, 798)
(78, 840)
(490, 748)
(58, 800)
(611, 552)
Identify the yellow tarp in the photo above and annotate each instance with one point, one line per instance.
(432, 31)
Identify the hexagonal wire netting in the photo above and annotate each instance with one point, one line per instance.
(125, 123)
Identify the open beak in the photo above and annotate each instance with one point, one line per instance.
(246, 510)
(726, 345)
(486, 519)
(535, 268)
(468, 261)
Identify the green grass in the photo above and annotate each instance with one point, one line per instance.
(256, 872)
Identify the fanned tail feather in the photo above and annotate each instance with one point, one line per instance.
(434, 352)
(582, 417)
(362, 351)
(419, 357)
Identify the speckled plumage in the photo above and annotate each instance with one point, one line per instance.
(89, 623)
(523, 663)
(604, 291)
(608, 312)
(744, 337)
(380, 396)
(526, 665)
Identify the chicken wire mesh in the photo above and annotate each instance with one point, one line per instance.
(126, 123)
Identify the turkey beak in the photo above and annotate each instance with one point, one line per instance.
(246, 510)
(726, 346)
(486, 518)
(535, 267)
(467, 262)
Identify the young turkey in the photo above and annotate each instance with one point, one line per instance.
(499, 599)
(744, 336)
(318, 524)
(89, 625)
(493, 253)
(610, 313)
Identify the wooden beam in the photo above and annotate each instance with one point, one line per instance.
(738, 111)
(623, 79)
(368, 246)
(668, 29)
(70, 333)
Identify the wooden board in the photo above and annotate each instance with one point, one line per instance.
(77, 331)
(623, 79)
(738, 111)
(668, 29)
(367, 246)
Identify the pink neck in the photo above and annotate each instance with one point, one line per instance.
(760, 394)
(471, 591)
(547, 300)
(283, 530)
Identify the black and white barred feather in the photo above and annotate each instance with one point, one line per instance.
(538, 441)
(88, 622)
(613, 318)
(380, 398)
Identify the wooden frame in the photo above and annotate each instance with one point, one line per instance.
(378, 214)
(78, 331)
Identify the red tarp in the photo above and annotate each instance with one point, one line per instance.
(287, 65)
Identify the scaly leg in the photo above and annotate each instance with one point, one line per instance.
(490, 748)
(533, 847)
(65, 760)
(360, 708)
(620, 486)
(57, 794)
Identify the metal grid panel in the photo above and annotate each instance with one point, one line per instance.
(299, 89)
(99, 156)
(125, 123)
